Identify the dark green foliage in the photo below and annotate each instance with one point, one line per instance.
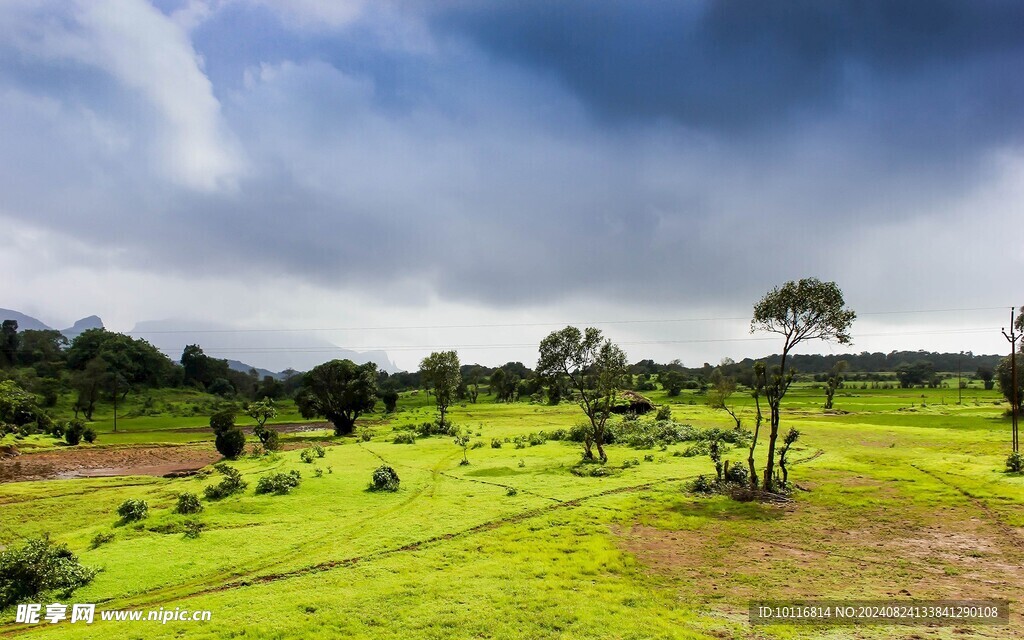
(188, 503)
(340, 391)
(193, 529)
(231, 483)
(736, 474)
(647, 434)
(89, 435)
(389, 397)
(440, 371)
(73, 432)
(405, 438)
(278, 483)
(436, 428)
(222, 421)
(664, 413)
(1015, 463)
(132, 510)
(385, 478)
(702, 484)
(101, 539)
(230, 443)
(38, 568)
(495, 443)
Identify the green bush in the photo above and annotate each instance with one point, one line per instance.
(385, 478)
(1015, 463)
(132, 510)
(222, 421)
(193, 529)
(664, 413)
(188, 503)
(405, 438)
(511, 491)
(37, 568)
(230, 443)
(89, 435)
(231, 483)
(101, 539)
(73, 432)
(737, 474)
(269, 438)
(702, 484)
(278, 483)
(495, 443)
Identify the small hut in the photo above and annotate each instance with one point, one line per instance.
(632, 402)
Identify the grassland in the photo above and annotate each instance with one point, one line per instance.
(904, 496)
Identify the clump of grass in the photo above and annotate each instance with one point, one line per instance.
(232, 483)
(101, 539)
(278, 483)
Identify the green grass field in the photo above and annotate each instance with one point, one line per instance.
(903, 497)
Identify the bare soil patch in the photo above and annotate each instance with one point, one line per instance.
(106, 461)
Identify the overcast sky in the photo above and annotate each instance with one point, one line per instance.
(415, 164)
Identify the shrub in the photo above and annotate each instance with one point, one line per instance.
(1015, 463)
(495, 443)
(405, 438)
(558, 434)
(702, 484)
(307, 456)
(231, 483)
(278, 483)
(737, 474)
(319, 451)
(511, 491)
(193, 529)
(385, 478)
(365, 434)
(89, 435)
(132, 510)
(269, 438)
(664, 413)
(188, 503)
(101, 539)
(230, 443)
(37, 568)
(536, 438)
(222, 421)
(73, 432)
(318, 473)
(649, 457)
(630, 463)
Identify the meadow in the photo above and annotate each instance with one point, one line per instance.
(901, 494)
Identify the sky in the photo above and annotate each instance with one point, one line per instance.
(413, 176)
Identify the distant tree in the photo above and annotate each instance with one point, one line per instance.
(8, 342)
(440, 371)
(834, 381)
(89, 384)
(1005, 377)
(986, 374)
(43, 351)
(574, 354)
(389, 396)
(798, 311)
(497, 383)
(340, 391)
(671, 381)
(919, 373)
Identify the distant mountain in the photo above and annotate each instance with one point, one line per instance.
(267, 350)
(28, 323)
(25, 323)
(91, 322)
(236, 365)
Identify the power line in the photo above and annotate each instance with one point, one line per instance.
(534, 324)
(468, 347)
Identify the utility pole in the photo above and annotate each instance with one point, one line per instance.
(1012, 339)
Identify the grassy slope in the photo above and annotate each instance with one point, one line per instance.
(627, 556)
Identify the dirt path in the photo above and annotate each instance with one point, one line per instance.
(106, 461)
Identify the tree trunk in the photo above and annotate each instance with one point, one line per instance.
(769, 480)
(343, 424)
(753, 445)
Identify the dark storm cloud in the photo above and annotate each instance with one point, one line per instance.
(670, 153)
(737, 65)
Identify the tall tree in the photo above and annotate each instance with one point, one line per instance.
(440, 372)
(594, 367)
(339, 390)
(8, 342)
(798, 311)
